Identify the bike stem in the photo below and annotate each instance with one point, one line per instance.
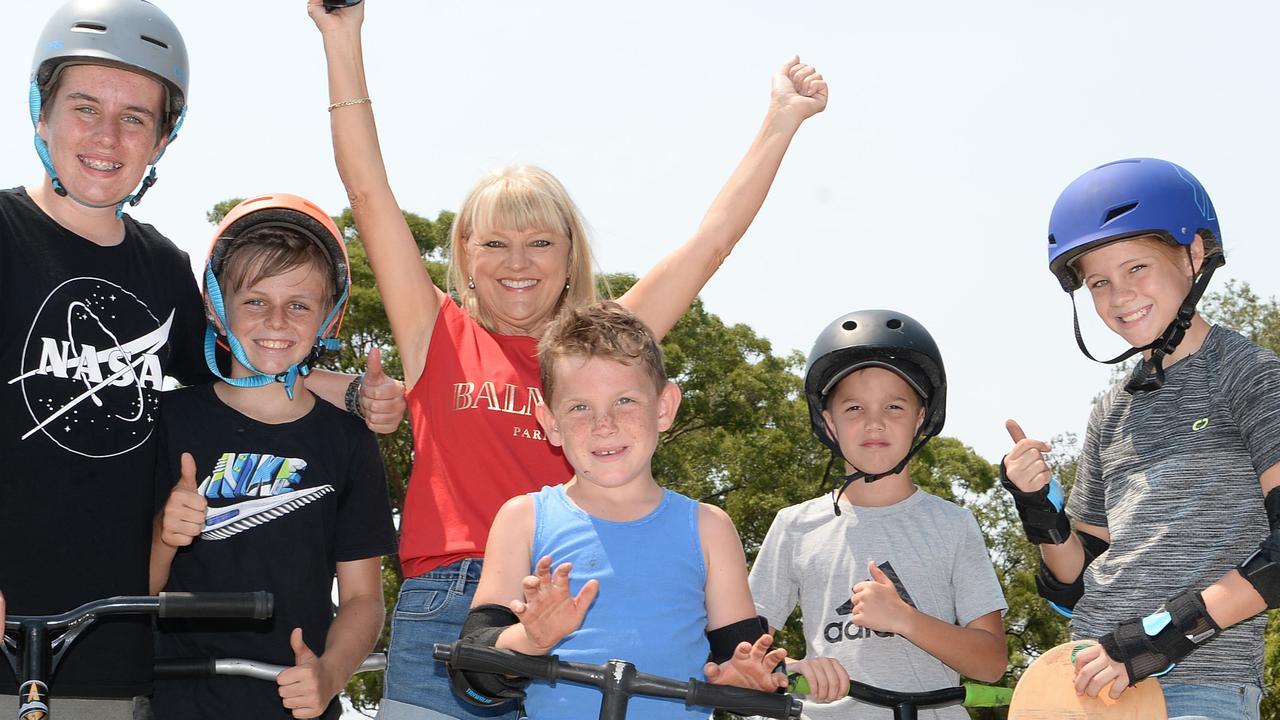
(33, 694)
(618, 677)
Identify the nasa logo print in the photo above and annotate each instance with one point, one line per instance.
(91, 368)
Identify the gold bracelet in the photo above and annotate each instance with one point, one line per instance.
(345, 103)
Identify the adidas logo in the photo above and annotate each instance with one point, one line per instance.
(841, 630)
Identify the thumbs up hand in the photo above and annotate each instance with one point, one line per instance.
(305, 688)
(877, 605)
(1025, 465)
(382, 400)
(184, 512)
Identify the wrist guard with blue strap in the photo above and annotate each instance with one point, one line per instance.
(1153, 645)
(1042, 514)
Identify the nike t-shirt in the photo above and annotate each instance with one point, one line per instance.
(287, 503)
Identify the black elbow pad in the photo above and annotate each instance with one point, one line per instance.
(724, 640)
(1064, 596)
(483, 626)
(1262, 568)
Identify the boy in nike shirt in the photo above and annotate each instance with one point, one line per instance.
(893, 582)
(276, 489)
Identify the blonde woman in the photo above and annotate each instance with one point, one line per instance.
(520, 255)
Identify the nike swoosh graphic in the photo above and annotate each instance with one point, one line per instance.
(223, 522)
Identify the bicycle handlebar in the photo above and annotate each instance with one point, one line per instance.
(256, 605)
(971, 694)
(617, 677)
(39, 642)
(208, 667)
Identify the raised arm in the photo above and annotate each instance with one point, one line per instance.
(411, 300)
(666, 291)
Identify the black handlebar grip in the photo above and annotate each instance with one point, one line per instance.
(477, 658)
(184, 667)
(257, 605)
(742, 700)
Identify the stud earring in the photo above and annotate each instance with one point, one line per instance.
(471, 283)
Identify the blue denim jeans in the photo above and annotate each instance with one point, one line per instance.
(431, 609)
(1212, 702)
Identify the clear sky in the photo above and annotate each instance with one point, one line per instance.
(925, 186)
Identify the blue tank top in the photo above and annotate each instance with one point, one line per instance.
(651, 609)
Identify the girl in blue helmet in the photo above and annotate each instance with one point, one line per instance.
(1156, 553)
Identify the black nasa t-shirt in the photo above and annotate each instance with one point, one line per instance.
(286, 503)
(87, 334)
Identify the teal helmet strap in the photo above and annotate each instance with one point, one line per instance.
(42, 149)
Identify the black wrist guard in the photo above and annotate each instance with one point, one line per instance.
(1041, 512)
(483, 626)
(1262, 568)
(1154, 644)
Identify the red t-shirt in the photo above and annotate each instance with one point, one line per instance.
(476, 441)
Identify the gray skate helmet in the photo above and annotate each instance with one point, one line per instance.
(132, 35)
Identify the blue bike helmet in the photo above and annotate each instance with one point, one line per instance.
(1126, 199)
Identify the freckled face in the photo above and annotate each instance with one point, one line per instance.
(276, 319)
(607, 416)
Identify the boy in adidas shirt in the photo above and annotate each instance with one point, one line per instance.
(893, 582)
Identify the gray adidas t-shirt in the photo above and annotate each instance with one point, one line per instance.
(1173, 476)
(933, 551)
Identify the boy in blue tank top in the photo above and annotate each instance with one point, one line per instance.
(657, 578)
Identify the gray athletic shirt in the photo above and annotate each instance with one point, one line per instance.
(1173, 476)
(931, 548)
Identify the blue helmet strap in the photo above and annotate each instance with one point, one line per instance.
(857, 474)
(42, 149)
(1152, 376)
(135, 198)
(290, 376)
